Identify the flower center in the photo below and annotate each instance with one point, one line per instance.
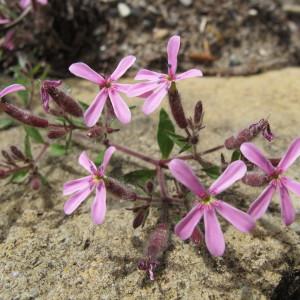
(208, 200)
(97, 179)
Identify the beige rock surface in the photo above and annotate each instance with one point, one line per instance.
(47, 255)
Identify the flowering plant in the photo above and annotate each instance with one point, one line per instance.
(167, 183)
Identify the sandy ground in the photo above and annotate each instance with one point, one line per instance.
(47, 255)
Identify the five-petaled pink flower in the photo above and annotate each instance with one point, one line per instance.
(25, 3)
(108, 88)
(208, 205)
(160, 83)
(12, 89)
(277, 181)
(81, 188)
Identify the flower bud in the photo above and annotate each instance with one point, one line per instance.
(3, 173)
(17, 153)
(140, 217)
(7, 157)
(198, 113)
(23, 116)
(35, 182)
(57, 133)
(196, 236)
(118, 189)
(255, 179)
(176, 106)
(95, 131)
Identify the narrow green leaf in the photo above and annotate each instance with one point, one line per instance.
(235, 155)
(83, 105)
(6, 123)
(99, 158)
(19, 176)
(139, 177)
(57, 150)
(27, 147)
(213, 172)
(34, 134)
(165, 126)
(180, 141)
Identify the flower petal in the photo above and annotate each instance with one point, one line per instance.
(186, 226)
(173, 49)
(260, 205)
(253, 154)
(189, 74)
(239, 219)
(76, 199)
(292, 185)
(76, 185)
(292, 153)
(235, 171)
(93, 113)
(86, 163)
(4, 21)
(120, 107)
(288, 213)
(107, 156)
(139, 89)
(184, 174)
(98, 208)
(154, 100)
(123, 87)
(24, 3)
(43, 2)
(214, 237)
(123, 66)
(145, 74)
(12, 89)
(82, 70)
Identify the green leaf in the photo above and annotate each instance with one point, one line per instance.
(132, 107)
(139, 177)
(19, 176)
(185, 147)
(180, 141)
(57, 150)
(6, 123)
(165, 126)
(213, 172)
(34, 134)
(235, 155)
(27, 147)
(99, 158)
(83, 105)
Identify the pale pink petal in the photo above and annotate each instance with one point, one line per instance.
(235, 171)
(4, 21)
(214, 237)
(86, 163)
(98, 208)
(107, 156)
(76, 185)
(239, 219)
(76, 199)
(43, 2)
(123, 87)
(12, 89)
(186, 226)
(145, 74)
(253, 154)
(93, 113)
(292, 185)
(288, 214)
(290, 155)
(140, 89)
(189, 74)
(184, 174)
(122, 67)
(260, 205)
(82, 70)
(155, 99)
(120, 107)
(25, 3)
(173, 49)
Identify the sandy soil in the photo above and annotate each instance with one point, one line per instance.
(47, 255)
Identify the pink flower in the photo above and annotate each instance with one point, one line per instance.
(208, 205)
(277, 181)
(160, 83)
(108, 88)
(25, 3)
(12, 89)
(9, 40)
(4, 21)
(81, 188)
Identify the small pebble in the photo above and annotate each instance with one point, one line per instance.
(124, 10)
(186, 2)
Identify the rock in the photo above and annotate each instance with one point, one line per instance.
(160, 33)
(124, 10)
(186, 2)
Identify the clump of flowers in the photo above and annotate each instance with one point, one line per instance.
(166, 185)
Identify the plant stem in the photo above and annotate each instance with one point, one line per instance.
(43, 151)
